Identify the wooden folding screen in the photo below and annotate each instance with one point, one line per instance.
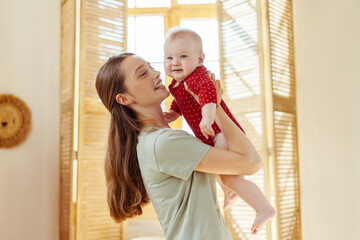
(91, 32)
(258, 76)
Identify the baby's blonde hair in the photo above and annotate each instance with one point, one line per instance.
(177, 31)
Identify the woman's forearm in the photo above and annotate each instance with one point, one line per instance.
(237, 141)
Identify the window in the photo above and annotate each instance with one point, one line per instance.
(195, 1)
(148, 4)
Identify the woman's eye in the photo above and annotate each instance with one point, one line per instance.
(143, 74)
(183, 56)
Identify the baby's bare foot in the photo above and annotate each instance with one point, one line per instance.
(229, 199)
(261, 219)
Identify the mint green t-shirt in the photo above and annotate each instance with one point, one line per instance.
(185, 200)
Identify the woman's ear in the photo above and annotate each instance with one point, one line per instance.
(124, 99)
(201, 59)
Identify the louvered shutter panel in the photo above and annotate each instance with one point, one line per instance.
(286, 170)
(101, 36)
(238, 30)
(66, 116)
(254, 71)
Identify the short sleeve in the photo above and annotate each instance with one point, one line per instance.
(175, 107)
(206, 91)
(177, 153)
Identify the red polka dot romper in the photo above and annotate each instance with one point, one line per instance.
(200, 84)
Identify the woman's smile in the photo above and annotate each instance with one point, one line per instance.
(159, 85)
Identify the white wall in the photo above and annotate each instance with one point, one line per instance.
(327, 64)
(30, 70)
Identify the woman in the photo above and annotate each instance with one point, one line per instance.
(148, 160)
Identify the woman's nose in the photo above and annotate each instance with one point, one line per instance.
(156, 73)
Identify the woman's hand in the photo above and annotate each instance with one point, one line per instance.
(208, 110)
(171, 116)
(217, 84)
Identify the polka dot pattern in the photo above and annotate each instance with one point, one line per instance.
(199, 83)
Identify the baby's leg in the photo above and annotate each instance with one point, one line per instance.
(229, 196)
(249, 192)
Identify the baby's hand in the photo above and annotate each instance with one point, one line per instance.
(171, 116)
(205, 126)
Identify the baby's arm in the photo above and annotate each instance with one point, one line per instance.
(173, 113)
(208, 116)
(207, 100)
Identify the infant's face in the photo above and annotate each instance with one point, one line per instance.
(182, 57)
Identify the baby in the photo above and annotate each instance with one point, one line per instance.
(183, 61)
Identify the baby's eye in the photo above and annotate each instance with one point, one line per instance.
(183, 56)
(169, 58)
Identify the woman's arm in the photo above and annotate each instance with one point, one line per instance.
(241, 158)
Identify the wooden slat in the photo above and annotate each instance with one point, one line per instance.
(66, 116)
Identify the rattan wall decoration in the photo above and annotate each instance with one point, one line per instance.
(15, 121)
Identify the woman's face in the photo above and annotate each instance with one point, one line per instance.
(143, 83)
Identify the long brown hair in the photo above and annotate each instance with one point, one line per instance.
(126, 192)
